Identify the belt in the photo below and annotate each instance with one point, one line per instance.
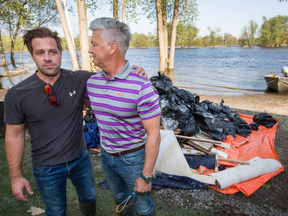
(126, 152)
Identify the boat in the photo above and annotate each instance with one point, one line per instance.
(277, 83)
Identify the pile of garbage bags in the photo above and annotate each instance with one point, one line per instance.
(181, 109)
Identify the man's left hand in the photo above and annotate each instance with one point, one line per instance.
(140, 71)
(142, 186)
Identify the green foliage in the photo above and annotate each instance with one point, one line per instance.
(139, 41)
(16, 16)
(248, 34)
(214, 36)
(274, 31)
(206, 41)
(229, 40)
(186, 34)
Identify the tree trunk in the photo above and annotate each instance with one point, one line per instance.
(160, 36)
(3, 59)
(165, 32)
(173, 35)
(69, 22)
(84, 40)
(123, 10)
(115, 9)
(67, 35)
(12, 53)
(21, 54)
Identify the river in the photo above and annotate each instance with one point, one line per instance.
(209, 71)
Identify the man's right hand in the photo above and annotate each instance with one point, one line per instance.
(18, 185)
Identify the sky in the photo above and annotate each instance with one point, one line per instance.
(228, 15)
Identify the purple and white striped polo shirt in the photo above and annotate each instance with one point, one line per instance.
(119, 105)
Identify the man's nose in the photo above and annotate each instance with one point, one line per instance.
(47, 56)
(90, 49)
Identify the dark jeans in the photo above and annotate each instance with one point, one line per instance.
(51, 182)
(121, 173)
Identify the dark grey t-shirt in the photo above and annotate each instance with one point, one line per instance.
(56, 131)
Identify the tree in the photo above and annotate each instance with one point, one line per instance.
(186, 35)
(123, 11)
(128, 10)
(214, 33)
(274, 31)
(229, 40)
(183, 11)
(83, 28)
(139, 41)
(67, 34)
(3, 59)
(152, 39)
(19, 15)
(248, 34)
(115, 9)
(206, 40)
(173, 35)
(160, 34)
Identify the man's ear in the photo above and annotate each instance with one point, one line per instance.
(113, 47)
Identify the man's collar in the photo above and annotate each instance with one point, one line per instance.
(123, 74)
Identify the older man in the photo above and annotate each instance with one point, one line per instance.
(128, 115)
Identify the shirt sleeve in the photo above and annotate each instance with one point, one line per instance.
(148, 102)
(13, 113)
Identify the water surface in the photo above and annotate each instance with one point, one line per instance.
(210, 71)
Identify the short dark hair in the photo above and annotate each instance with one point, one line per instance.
(41, 32)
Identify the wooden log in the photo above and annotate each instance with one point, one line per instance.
(221, 144)
(206, 147)
(234, 161)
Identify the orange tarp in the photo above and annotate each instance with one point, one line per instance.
(259, 143)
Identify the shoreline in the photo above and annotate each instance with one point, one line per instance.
(268, 103)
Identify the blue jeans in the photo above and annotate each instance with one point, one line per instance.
(121, 173)
(51, 182)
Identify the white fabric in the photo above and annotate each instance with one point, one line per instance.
(241, 173)
(172, 161)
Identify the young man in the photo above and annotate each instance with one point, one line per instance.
(128, 115)
(50, 104)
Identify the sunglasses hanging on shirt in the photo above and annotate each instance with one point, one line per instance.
(53, 98)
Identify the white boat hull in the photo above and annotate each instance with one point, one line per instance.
(279, 84)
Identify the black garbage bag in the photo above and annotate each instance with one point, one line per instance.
(172, 108)
(162, 83)
(181, 115)
(169, 123)
(190, 127)
(220, 110)
(184, 96)
(167, 106)
(209, 123)
(254, 126)
(228, 128)
(264, 119)
(90, 116)
(242, 127)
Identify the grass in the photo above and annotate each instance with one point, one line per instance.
(9, 206)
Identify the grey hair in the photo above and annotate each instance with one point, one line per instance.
(113, 30)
